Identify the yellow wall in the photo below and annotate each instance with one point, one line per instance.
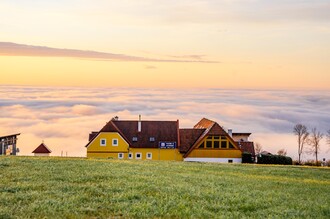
(212, 152)
(216, 153)
(158, 154)
(96, 150)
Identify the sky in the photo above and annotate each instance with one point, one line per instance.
(282, 44)
(228, 52)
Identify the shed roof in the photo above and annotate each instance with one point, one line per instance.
(42, 149)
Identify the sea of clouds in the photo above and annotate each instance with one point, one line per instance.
(63, 117)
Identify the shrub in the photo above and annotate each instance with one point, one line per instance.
(247, 157)
(327, 163)
(274, 159)
(312, 163)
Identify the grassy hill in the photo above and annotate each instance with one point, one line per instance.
(82, 188)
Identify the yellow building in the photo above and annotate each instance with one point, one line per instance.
(164, 140)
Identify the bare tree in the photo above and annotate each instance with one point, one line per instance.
(282, 152)
(302, 134)
(258, 148)
(314, 142)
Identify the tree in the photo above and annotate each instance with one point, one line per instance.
(314, 142)
(258, 148)
(302, 134)
(328, 137)
(282, 152)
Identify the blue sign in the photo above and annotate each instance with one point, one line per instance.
(167, 145)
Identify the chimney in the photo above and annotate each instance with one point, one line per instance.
(230, 132)
(139, 124)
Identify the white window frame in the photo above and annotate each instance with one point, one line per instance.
(105, 142)
(114, 139)
(136, 154)
(130, 155)
(152, 139)
(149, 158)
(120, 155)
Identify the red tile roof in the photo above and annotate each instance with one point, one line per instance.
(246, 146)
(161, 131)
(188, 137)
(204, 124)
(42, 149)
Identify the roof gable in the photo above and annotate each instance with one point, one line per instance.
(42, 149)
(211, 128)
(109, 127)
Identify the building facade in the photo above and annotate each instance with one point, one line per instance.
(42, 151)
(207, 141)
(8, 144)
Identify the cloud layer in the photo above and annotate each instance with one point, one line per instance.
(63, 117)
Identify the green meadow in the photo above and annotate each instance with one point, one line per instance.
(100, 188)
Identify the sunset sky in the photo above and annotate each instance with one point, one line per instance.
(252, 65)
(195, 43)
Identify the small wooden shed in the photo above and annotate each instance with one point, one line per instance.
(42, 150)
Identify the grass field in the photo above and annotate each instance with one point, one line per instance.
(95, 188)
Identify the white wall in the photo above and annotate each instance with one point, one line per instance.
(215, 160)
(41, 155)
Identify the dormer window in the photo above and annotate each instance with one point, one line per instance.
(152, 139)
(134, 139)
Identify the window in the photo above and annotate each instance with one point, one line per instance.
(209, 144)
(216, 144)
(231, 145)
(115, 142)
(134, 139)
(103, 142)
(152, 139)
(224, 144)
(130, 155)
(230, 161)
(138, 156)
(201, 145)
(149, 155)
(120, 155)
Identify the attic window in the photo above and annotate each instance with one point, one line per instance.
(152, 139)
(103, 142)
(134, 139)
